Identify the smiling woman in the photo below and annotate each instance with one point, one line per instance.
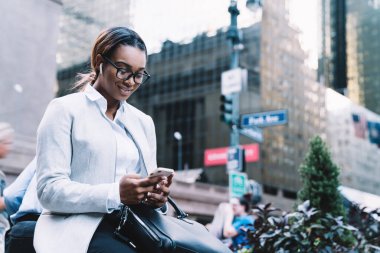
(96, 155)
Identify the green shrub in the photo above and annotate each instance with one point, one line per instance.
(320, 180)
(303, 230)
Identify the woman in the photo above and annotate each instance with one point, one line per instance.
(237, 221)
(94, 152)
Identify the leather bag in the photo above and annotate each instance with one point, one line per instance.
(153, 232)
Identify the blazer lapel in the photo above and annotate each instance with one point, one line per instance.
(133, 124)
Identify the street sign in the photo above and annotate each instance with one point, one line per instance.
(234, 80)
(253, 132)
(237, 184)
(264, 119)
(235, 158)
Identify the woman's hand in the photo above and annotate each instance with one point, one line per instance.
(159, 196)
(134, 190)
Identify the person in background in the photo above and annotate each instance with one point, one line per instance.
(95, 152)
(238, 220)
(21, 203)
(223, 211)
(6, 138)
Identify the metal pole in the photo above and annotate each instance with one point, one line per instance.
(178, 136)
(233, 36)
(180, 154)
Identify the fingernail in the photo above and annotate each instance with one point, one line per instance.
(164, 178)
(148, 194)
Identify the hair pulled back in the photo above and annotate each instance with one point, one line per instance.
(105, 44)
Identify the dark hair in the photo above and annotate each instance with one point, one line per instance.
(244, 202)
(105, 44)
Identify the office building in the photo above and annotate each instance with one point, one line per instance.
(27, 48)
(80, 24)
(333, 62)
(351, 50)
(353, 136)
(287, 83)
(363, 53)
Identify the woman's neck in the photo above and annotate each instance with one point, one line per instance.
(112, 104)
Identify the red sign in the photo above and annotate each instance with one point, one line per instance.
(218, 156)
(252, 152)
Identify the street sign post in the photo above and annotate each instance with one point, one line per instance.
(237, 184)
(264, 119)
(253, 132)
(234, 80)
(235, 158)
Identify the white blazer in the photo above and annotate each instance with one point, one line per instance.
(76, 163)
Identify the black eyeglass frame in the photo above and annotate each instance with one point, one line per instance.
(133, 74)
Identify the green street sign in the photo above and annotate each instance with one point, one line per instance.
(237, 184)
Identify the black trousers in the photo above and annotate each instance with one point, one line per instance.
(104, 240)
(20, 238)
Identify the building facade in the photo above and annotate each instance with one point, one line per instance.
(334, 57)
(79, 24)
(351, 50)
(287, 83)
(363, 53)
(354, 139)
(28, 68)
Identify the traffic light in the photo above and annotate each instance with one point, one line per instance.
(226, 109)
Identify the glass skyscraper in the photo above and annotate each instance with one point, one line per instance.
(351, 49)
(363, 53)
(287, 83)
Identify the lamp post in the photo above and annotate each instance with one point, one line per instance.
(178, 137)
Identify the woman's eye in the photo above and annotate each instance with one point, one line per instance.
(139, 75)
(124, 71)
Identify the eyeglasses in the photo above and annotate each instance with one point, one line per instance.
(124, 74)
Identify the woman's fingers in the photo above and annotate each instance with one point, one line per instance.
(150, 181)
(156, 199)
(153, 190)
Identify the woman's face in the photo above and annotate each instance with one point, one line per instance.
(131, 60)
(238, 209)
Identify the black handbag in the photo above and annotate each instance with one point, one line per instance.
(153, 232)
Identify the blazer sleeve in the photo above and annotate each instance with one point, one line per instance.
(56, 191)
(14, 194)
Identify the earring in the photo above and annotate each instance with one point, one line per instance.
(101, 68)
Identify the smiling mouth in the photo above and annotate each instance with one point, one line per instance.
(125, 89)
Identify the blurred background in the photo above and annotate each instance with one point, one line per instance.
(318, 59)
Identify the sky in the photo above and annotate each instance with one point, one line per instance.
(181, 20)
(304, 14)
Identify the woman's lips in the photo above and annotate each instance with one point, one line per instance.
(125, 90)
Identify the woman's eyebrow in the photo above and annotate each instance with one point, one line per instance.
(127, 65)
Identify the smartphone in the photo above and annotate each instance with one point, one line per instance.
(159, 172)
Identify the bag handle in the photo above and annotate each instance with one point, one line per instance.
(180, 214)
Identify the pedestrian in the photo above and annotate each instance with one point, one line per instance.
(238, 222)
(94, 152)
(21, 204)
(6, 138)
